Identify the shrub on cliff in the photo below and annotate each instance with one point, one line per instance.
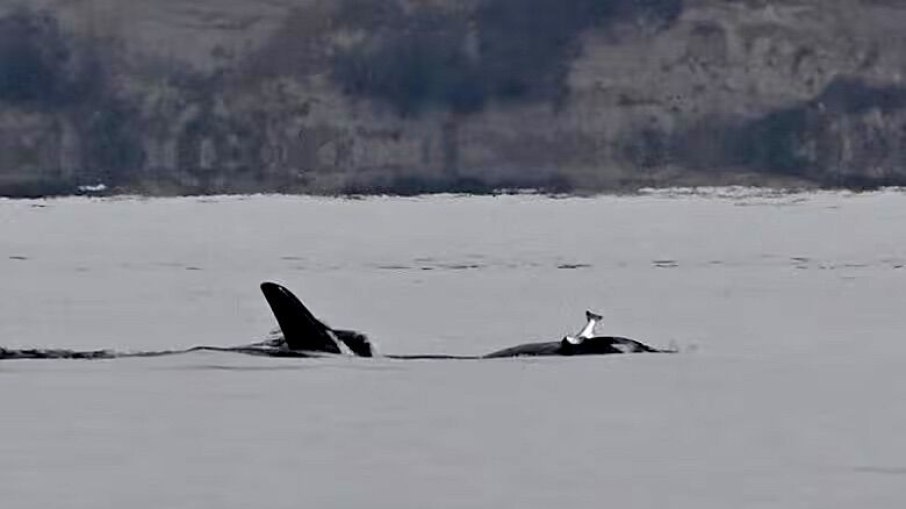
(33, 59)
(411, 62)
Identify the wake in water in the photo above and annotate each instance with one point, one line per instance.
(270, 348)
(259, 350)
(274, 347)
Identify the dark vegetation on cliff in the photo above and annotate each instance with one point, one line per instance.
(34, 55)
(814, 141)
(800, 141)
(458, 60)
(46, 70)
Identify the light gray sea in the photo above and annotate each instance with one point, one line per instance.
(789, 392)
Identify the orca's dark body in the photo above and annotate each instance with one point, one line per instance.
(598, 345)
(302, 332)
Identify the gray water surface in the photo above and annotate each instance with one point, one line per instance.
(787, 308)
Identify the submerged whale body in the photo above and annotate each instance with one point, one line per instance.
(303, 332)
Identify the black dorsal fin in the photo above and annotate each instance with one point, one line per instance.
(301, 330)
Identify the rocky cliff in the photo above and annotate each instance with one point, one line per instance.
(338, 96)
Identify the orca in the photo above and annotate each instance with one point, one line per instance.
(303, 332)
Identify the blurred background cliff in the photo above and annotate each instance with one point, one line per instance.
(410, 96)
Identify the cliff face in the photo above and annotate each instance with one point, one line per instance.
(328, 96)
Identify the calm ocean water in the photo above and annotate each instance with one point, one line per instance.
(787, 307)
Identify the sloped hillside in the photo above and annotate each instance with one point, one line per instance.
(333, 96)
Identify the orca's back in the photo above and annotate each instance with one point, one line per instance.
(301, 330)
